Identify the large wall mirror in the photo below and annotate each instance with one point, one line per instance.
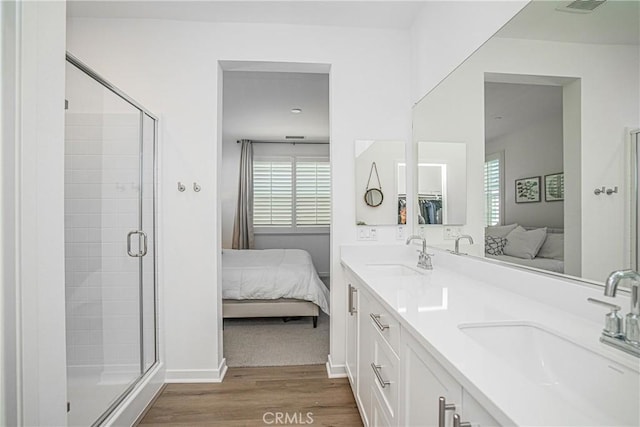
(380, 182)
(546, 108)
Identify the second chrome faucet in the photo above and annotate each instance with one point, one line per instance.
(424, 259)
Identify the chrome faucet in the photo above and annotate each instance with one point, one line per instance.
(457, 243)
(424, 259)
(628, 341)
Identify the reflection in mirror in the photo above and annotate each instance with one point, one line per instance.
(377, 194)
(550, 99)
(442, 183)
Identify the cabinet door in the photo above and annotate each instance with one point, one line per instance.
(425, 381)
(365, 351)
(352, 334)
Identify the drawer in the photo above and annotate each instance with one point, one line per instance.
(385, 370)
(379, 415)
(386, 324)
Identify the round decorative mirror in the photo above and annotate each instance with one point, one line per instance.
(373, 197)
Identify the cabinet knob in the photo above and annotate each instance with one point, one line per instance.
(443, 407)
(458, 423)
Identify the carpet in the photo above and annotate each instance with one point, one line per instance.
(272, 342)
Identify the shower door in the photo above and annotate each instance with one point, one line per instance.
(109, 244)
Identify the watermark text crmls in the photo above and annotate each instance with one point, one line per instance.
(284, 418)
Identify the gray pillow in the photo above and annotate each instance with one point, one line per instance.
(553, 247)
(525, 244)
(499, 230)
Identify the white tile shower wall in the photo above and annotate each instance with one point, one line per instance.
(101, 207)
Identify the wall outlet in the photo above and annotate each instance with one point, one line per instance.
(451, 233)
(400, 232)
(367, 233)
(422, 232)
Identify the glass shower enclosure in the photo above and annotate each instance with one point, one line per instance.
(110, 244)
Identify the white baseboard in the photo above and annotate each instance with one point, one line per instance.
(197, 375)
(334, 370)
(128, 412)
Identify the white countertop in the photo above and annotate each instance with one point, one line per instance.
(433, 305)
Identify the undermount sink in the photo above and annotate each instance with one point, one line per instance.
(393, 270)
(602, 387)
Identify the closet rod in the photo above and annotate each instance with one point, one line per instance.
(287, 142)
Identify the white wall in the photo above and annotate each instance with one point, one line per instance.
(172, 69)
(609, 84)
(445, 33)
(8, 96)
(534, 150)
(39, 185)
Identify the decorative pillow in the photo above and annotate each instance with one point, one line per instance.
(553, 247)
(499, 230)
(525, 244)
(494, 245)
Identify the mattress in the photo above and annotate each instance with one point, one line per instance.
(548, 264)
(271, 274)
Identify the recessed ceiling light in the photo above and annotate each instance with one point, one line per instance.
(296, 110)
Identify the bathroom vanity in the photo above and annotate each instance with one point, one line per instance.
(477, 343)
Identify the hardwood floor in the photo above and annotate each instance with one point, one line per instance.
(292, 395)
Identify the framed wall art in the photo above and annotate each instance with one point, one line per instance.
(528, 190)
(554, 187)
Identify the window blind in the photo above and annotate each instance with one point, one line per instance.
(313, 193)
(492, 190)
(272, 193)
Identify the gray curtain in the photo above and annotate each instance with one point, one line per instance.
(243, 223)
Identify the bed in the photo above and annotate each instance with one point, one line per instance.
(271, 283)
(538, 247)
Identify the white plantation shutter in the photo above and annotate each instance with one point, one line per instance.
(272, 193)
(313, 193)
(493, 167)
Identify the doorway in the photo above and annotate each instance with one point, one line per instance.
(282, 111)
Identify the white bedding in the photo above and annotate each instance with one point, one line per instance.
(549, 264)
(272, 274)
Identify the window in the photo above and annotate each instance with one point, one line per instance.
(493, 172)
(291, 192)
(272, 193)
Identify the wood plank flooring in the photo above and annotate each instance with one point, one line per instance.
(255, 396)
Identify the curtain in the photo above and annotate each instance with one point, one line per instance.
(243, 223)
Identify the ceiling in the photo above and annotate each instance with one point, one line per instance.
(257, 106)
(364, 14)
(613, 22)
(510, 107)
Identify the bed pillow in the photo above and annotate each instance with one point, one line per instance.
(525, 244)
(553, 247)
(499, 230)
(494, 245)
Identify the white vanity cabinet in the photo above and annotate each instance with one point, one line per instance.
(394, 378)
(425, 381)
(475, 413)
(351, 350)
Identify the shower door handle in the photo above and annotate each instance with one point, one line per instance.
(142, 252)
